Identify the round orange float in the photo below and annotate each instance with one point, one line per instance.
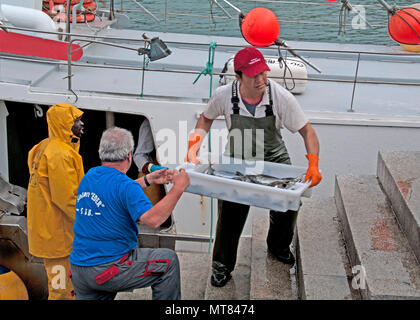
(404, 26)
(260, 27)
(12, 287)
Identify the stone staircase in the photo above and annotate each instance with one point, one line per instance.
(363, 243)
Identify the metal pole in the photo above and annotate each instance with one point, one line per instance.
(232, 6)
(68, 21)
(111, 10)
(68, 39)
(223, 9)
(69, 67)
(144, 65)
(387, 6)
(145, 10)
(110, 119)
(354, 83)
(180, 237)
(166, 14)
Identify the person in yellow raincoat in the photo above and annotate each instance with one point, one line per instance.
(56, 169)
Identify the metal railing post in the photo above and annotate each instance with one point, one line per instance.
(354, 83)
(68, 21)
(111, 10)
(166, 14)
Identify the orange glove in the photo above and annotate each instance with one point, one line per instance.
(313, 171)
(194, 143)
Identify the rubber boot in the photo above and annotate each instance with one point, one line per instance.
(280, 235)
(231, 220)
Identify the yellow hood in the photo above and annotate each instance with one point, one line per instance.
(60, 119)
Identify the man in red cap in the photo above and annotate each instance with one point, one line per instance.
(254, 102)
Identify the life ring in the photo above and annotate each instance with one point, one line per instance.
(65, 1)
(295, 69)
(49, 3)
(56, 9)
(91, 6)
(61, 17)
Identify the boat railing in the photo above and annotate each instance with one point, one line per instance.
(86, 40)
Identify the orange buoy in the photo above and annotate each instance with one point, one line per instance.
(260, 27)
(412, 47)
(404, 26)
(12, 287)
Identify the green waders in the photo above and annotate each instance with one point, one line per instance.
(255, 132)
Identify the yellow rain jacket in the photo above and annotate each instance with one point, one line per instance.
(55, 169)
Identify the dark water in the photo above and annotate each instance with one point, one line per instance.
(303, 20)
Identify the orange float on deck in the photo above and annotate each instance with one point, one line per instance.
(12, 287)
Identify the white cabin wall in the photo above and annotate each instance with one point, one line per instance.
(4, 163)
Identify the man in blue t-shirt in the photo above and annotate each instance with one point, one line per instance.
(105, 257)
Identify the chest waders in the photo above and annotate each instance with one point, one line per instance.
(246, 137)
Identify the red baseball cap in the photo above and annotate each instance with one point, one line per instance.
(250, 61)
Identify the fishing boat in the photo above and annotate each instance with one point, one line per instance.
(360, 98)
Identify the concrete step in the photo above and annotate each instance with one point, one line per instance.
(384, 264)
(323, 265)
(194, 273)
(270, 279)
(238, 287)
(399, 174)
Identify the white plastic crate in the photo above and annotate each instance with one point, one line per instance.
(245, 192)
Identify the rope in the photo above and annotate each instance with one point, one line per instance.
(283, 62)
(209, 65)
(209, 70)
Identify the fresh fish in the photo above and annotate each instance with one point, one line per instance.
(286, 183)
(262, 179)
(225, 174)
(219, 173)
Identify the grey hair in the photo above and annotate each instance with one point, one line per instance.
(116, 144)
